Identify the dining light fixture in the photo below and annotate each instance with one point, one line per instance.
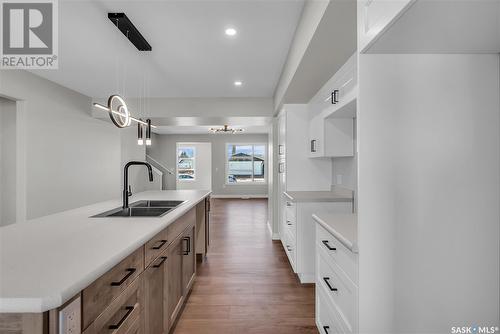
(225, 129)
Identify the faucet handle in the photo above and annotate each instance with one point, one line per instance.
(129, 191)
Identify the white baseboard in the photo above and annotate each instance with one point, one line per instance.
(239, 196)
(276, 236)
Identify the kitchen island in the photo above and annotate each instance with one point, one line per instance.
(63, 254)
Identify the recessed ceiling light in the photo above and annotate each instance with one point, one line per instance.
(238, 83)
(231, 32)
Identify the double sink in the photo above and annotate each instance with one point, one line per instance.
(144, 208)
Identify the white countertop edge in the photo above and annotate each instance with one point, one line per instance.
(50, 302)
(352, 247)
(340, 199)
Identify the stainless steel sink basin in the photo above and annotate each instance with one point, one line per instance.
(155, 204)
(144, 208)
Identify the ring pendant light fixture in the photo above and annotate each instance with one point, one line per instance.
(120, 116)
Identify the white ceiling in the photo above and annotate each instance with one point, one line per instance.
(191, 57)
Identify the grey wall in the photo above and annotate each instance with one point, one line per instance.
(71, 159)
(7, 161)
(163, 150)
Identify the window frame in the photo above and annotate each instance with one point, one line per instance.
(253, 182)
(177, 162)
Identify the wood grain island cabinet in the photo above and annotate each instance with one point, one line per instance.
(143, 294)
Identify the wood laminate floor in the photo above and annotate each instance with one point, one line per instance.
(246, 285)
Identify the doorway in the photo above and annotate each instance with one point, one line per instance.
(8, 158)
(194, 165)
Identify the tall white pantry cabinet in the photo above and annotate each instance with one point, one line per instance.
(429, 165)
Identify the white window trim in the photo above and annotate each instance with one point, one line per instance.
(253, 183)
(184, 145)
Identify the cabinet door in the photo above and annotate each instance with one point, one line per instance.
(374, 16)
(156, 296)
(174, 272)
(188, 260)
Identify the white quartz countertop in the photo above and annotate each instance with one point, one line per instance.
(337, 194)
(46, 261)
(344, 227)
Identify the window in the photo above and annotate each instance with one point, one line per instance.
(186, 163)
(245, 163)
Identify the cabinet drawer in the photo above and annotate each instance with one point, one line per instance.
(336, 251)
(290, 249)
(340, 289)
(154, 247)
(326, 320)
(176, 228)
(290, 210)
(124, 315)
(97, 296)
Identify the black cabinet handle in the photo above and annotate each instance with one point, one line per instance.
(325, 242)
(122, 320)
(158, 265)
(160, 245)
(327, 281)
(326, 328)
(335, 96)
(188, 244)
(313, 145)
(288, 223)
(130, 271)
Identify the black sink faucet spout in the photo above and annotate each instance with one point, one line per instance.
(125, 179)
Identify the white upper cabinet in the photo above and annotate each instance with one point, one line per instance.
(295, 170)
(374, 16)
(422, 26)
(331, 114)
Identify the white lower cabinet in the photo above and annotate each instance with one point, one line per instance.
(336, 291)
(297, 233)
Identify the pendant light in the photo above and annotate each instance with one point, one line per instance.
(148, 132)
(140, 141)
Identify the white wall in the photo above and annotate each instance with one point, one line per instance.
(429, 192)
(72, 159)
(138, 175)
(7, 162)
(347, 167)
(163, 150)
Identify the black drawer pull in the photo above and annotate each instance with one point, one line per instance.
(325, 242)
(160, 245)
(289, 223)
(326, 328)
(327, 281)
(122, 320)
(130, 271)
(158, 265)
(188, 244)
